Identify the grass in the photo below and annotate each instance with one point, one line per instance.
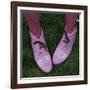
(53, 27)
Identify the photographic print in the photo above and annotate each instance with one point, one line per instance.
(49, 44)
(55, 29)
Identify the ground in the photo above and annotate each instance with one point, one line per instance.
(53, 26)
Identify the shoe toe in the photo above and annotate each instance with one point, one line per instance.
(45, 64)
(60, 59)
(56, 60)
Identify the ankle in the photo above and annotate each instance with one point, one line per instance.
(36, 30)
(69, 29)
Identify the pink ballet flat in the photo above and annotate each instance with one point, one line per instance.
(64, 47)
(41, 53)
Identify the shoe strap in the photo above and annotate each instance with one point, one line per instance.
(67, 40)
(42, 45)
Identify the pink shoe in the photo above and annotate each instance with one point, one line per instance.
(64, 47)
(41, 53)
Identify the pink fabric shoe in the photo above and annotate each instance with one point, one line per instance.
(41, 53)
(64, 47)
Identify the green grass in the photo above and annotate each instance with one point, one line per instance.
(53, 27)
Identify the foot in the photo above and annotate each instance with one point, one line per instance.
(41, 53)
(64, 47)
